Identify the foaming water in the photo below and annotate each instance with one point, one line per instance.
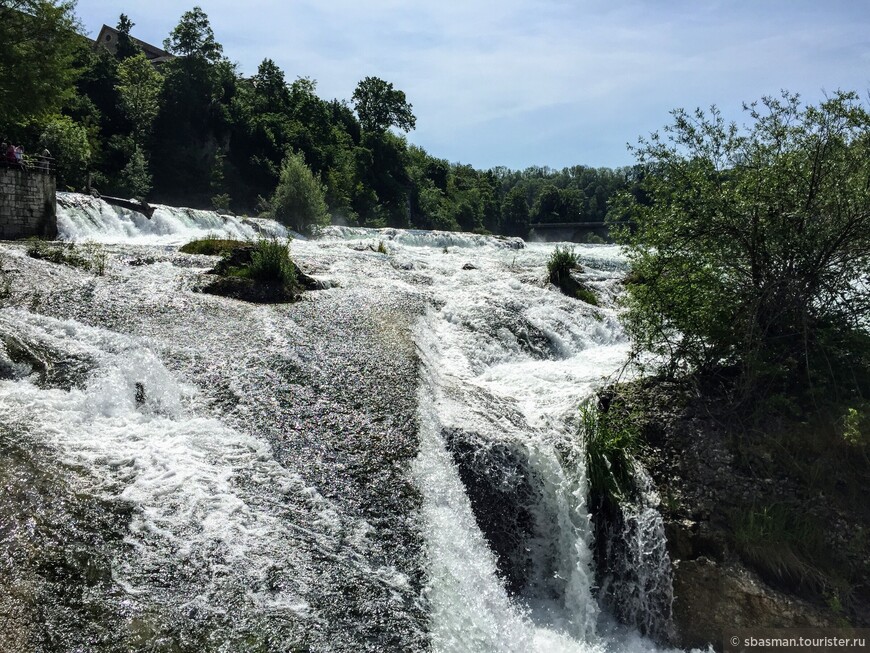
(223, 522)
(207, 499)
(86, 218)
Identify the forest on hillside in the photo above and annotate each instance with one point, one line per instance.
(192, 130)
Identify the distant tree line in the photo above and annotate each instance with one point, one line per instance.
(193, 130)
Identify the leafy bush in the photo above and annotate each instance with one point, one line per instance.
(750, 247)
(298, 201)
(68, 143)
(562, 261)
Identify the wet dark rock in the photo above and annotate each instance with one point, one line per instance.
(469, 266)
(572, 286)
(711, 474)
(496, 479)
(53, 369)
(57, 548)
(251, 290)
(729, 596)
(140, 394)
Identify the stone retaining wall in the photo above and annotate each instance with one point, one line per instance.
(28, 205)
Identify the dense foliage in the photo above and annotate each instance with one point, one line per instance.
(752, 251)
(298, 201)
(194, 131)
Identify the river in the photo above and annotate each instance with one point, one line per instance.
(391, 464)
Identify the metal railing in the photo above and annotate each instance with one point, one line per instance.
(35, 163)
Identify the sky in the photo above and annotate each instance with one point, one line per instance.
(547, 82)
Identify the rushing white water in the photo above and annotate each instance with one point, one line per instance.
(505, 360)
(86, 218)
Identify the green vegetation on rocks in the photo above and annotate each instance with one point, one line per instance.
(752, 247)
(611, 444)
(211, 246)
(261, 272)
(563, 261)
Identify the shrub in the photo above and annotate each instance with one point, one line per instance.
(749, 246)
(299, 200)
(562, 261)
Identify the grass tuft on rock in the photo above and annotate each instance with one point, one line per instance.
(562, 261)
(270, 263)
(211, 246)
(262, 273)
(611, 445)
(785, 545)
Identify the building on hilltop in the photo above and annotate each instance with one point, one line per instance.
(108, 38)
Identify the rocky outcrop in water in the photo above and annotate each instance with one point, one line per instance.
(252, 290)
(759, 534)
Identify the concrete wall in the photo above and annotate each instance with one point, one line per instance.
(28, 205)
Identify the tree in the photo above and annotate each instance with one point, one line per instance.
(139, 86)
(194, 37)
(37, 70)
(298, 201)
(68, 143)
(135, 176)
(752, 246)
(515, 212)
(270, 89)
(379, 106)
(126, 46)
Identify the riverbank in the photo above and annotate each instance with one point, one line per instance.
(767, 522)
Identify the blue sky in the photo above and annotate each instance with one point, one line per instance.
(549, 82)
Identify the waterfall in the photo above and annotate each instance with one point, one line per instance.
(637, 585)
(86, 218)
(390, 464)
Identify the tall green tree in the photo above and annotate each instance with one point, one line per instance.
(515, 212)
(298, 200)
(753, 246)
(68, 143)
(380, 106)
(139, 86)
(126, 46)
(194, 37)
(40, 42)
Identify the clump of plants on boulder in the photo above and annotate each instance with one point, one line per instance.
(563, 261)
(260, 272)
